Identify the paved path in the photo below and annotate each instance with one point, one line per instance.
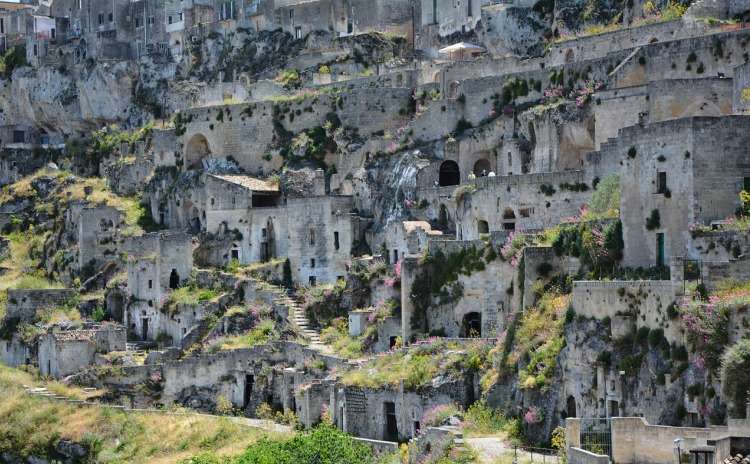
(489, 449)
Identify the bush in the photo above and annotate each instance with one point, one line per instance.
(735, 375)
(654, 220)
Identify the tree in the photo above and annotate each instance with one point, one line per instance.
(735, 375)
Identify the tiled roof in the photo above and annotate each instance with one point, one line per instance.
(250, 183)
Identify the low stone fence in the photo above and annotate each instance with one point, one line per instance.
(581, 456)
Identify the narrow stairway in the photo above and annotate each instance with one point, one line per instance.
(298, 319)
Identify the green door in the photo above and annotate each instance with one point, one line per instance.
(660, 249)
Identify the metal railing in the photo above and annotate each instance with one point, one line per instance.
(596, 435)
(529, 454)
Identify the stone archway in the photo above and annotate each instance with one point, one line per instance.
(196, 150)
(449, 174)
(482, 167)
(483, 227)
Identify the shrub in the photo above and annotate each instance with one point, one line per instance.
(735, 374)
(654, 220)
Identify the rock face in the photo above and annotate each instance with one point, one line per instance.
(67, 103)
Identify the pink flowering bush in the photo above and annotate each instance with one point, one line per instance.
(533, 415)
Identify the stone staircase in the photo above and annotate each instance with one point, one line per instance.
(298, 319)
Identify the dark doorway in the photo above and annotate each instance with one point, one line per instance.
(449, 174)
(614, 409)
(268, 242)
(482, 168)
(443, 218)
(249, 382)
(391, 425)
(483, 227)
(392, 341)
(571, 407)
(174, 279)
(660, 255)
(144, 328)
(236, 254)
(472, 325)
(509, 219)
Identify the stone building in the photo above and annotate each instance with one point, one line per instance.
(25, 305)
(157, 263)
(65, 352)
(679, 174)
(407, 237)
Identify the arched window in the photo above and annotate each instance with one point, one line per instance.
(449, 174)
(483, 227)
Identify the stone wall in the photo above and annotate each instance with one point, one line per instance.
(221, 132)
(629, 305)
(25, 304)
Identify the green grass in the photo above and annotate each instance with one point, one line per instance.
(189, 295)
(418, 365)
(264, 332)
(30, 426)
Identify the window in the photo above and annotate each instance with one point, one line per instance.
(291, 15)
(169, 19)
(312, 262)
(510, 160)
(298, 32)
(101, 19)
(264, 232)
(312, 237)
(311, 280)
(2, 25)
(151, 21)
(138, 24)
(36, 50)
(111, 17)
(661, 182)
(150, 283)
(395, 256)
(212, 201)
(336, 240)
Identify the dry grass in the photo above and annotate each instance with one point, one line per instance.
(29, 425)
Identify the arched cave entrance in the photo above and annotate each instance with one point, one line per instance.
(483, 227)
(482, 167)
(571, 407)
(196, 151)
(449, 174)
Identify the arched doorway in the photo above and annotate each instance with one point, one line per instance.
(571, 407)
(443, 219)
(482, 167)
(196, 150)
(195, 220)
(449, 174)
(471, 327)
(483, 227)
(174, 279)
(509, 219)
